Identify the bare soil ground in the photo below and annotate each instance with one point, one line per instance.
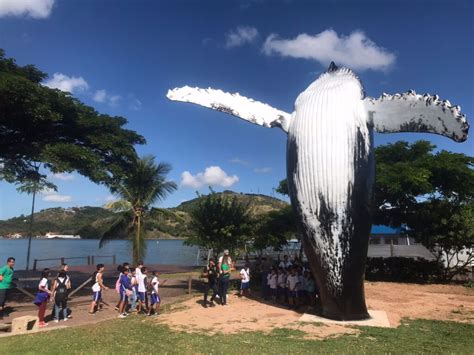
(438, 302)
(18, 305)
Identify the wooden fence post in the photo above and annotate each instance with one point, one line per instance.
(81, 286)
(190, 281)
(34, 265)
(23, 291)
(93, 259)
(113, 259)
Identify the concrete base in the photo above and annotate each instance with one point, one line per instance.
(24, 324)
(378, 319)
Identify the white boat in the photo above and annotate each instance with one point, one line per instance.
(61, 236)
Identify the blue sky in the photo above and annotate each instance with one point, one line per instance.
(122, 56)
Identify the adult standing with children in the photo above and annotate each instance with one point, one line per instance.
(6, 277)
(225, 268)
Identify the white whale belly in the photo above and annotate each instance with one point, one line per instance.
(326, 135)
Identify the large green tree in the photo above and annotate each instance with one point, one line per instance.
(51, 127)
(220, 222)
(431, 194)
(274, 229)
(144, 184)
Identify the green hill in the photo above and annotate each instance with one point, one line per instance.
(90, 222)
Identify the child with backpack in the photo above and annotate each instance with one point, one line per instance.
(60, 292)
(134, 296)
(125, 292)
(97, 287)
(120, 269)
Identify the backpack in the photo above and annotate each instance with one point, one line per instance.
(149, 285)
(118, 284)
(61, 290)
(94, 278)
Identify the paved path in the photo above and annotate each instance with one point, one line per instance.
(20, 305)
(173, 290)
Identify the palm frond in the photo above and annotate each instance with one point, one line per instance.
(118, 206)
(121, 226)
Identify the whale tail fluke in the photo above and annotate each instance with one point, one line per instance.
(234, 104)
(411, 112)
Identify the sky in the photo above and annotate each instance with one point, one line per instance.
(121, 57)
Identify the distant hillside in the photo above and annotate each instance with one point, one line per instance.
(90, 222)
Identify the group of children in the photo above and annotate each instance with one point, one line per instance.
(137, 287)
(57, 292)
(291, 284)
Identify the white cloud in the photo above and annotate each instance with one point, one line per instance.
(135, 104)
(53, 196)
(100, 96)
(67, 83)
(240, 36)
(212, 176)
(355, 51)
(103, 97)
(239, 161)
(63, 176)
(262, 170)
(31, 8)
(114, 99)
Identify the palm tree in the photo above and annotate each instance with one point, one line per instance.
(144, 185)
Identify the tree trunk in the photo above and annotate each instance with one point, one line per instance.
(136, 255)
(30, 231)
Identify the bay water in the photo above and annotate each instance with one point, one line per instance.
(161, 251)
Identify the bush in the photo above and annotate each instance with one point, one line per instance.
(398, 269)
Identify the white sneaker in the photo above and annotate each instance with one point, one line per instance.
(122, 316)
(56, 321)
(65, 319)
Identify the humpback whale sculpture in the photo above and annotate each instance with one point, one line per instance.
(330, 167)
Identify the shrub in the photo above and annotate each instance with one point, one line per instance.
(398, 269)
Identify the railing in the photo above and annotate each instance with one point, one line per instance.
(93, 258)
(90, 259)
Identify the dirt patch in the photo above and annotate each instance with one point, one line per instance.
(242, 314)
(438, 302)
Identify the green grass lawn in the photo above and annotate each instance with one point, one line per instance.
(139, 335)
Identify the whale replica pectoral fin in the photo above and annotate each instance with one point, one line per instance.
(233, 104)
(410, 112)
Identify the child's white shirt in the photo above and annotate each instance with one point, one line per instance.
(44, 283)
(273, 280)
(282, 280)
(292, 282)
(245, 275)
(155, 283)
